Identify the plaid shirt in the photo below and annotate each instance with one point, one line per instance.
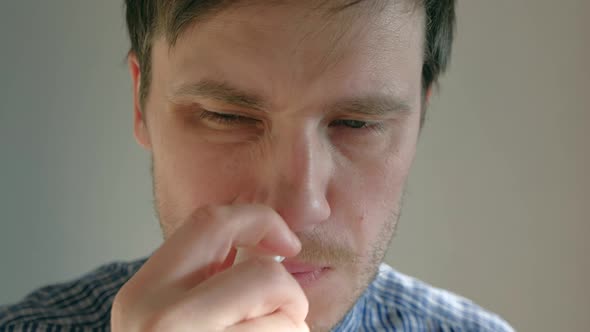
(392, 302)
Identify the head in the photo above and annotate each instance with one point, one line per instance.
(313, 108)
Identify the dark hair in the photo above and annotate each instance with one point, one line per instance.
(149, 18)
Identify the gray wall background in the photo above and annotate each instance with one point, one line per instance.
(497, 208)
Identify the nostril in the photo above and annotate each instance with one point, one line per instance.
(303, 210)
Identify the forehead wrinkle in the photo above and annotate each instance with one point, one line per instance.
(321, 58)
(327, 43)
(391, 22)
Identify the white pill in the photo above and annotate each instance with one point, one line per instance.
(243, 254)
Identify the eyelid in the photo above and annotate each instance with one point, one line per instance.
(368, 122)
(369, 126)
(228, 118)
(228, 113)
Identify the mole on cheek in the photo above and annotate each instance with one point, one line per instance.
(362, 219)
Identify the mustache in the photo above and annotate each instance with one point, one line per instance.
(323, 249)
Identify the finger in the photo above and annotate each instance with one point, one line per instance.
(200, 247)
(271, 323)
(244, 254)
(255, 288)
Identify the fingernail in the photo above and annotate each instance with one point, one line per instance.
(294, 240)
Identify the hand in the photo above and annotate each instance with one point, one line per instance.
(189, 283)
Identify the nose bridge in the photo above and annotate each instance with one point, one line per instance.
(297, 153)
(302, 169)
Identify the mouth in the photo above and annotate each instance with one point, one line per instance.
(306, 274)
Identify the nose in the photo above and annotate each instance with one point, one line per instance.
(298, 176)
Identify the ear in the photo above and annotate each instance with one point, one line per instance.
(427, 96)
(140, 129)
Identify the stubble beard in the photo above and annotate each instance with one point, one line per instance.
(367, 274)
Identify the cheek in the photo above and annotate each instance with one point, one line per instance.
(379, 199)
(190, 173)
(370, 199)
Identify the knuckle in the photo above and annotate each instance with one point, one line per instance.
(206, 213)
(121, 300)
(263, 211)
(293, 325)
(122, 310)
(269, 212)
(128, 315)
(117, 313)
(159, 321)
(209, 219)
(275, 274)
(267, 217)
(303, 328)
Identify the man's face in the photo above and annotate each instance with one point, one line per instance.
(320, 119)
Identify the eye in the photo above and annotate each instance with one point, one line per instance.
(353, 124)
(227, 118)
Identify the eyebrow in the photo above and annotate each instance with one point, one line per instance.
(373, 105)
(220, 91)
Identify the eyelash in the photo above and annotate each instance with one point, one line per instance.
(226, 119)
(352, 124)
(234, 119)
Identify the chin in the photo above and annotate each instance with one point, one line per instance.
(330, 298)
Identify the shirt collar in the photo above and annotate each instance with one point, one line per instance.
(353, 319)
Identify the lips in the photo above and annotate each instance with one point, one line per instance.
(293, 266)
(305, 273)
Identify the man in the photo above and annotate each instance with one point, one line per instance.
(276, 128)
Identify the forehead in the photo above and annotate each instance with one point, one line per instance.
(295, 49)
